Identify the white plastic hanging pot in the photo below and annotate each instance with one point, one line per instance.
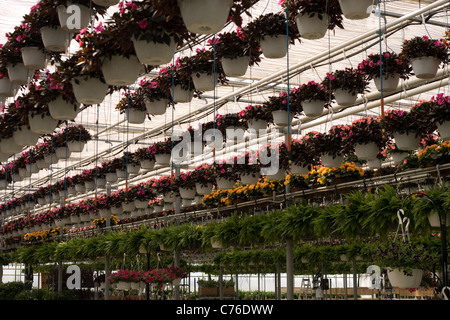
(76, 146)
(329, 161)
(435, 222)
(34, 58)
(88, 90)
(186, 203)
(279, 175)
(406, 141)
(425, 67)
(248, 178)
(25, 137)
(135, 116)
(282, 118)
(224, 183)
(203, 189)
(80, 188)
(156, 107)
(368, 151)
(147, 164)
(121, 174)
(42, 123)
(235, 67)
(389, 83)
(313, 108)
(356, 9)
(299, 169)
(399, 279)
(31, 168)
(61, 109)
(106, 3)
(162, 159)
(51, 158)
(140, 204)
(153, 53)
(204, 81)
(89, 185)
(186, 193)
(55, 39)
(205, 17)
(133, 168)
(41, 164)
(18, 73)
(8, 146)
(181, 95)
(374, 163)
(255, 126)
(128, 206)
(344, 98)
(6, 88)
(62, 152)
(274, 47)
(111, 177)
(312, 27)
(74, 17)
(444, 129)
(121, 71)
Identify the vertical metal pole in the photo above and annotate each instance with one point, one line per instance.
(107, 257)
(290, 269)
(355, 281)
(60, 277)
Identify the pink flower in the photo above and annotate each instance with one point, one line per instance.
(143, 24)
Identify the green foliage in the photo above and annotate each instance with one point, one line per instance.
(9, 290)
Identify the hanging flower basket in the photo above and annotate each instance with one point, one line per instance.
(74, 25)
(89, 185)
(42, 123)
(106, 3)
(203, 189)
(374, 163)
(344, 98)
(274, 47)
(8, 146)
(186, 193)
(136, 116)
(18, 73)
(34, 58)
(313, 108)
(111, 177)
(444, 129)
(205, 17)
(282, 118)
(181, 95)
(235, 67)
(366, 151)
(31, 168)
(76, 146)
(80, 188)
(425, 67)
(89, 90)
(388, 83)
(61, 109)
(62, 152)
(299, 169)
(204, 81)
(140, 204)
(163, 159)
(398, 157)
(153, 53)
(6, 88)
(406, 141)
(147, 164)
(248, 178)
(356, 9)
(41, 164)
(115, 210)
(330, 161)
(156, 107)
(51, 158)
(312, 27)
(120, 70)
(128, 206)
(399, 279)
(224, 183)
(254, 126)
(55, 39)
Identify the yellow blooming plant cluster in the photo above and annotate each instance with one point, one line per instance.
(227, 197)
(42, 234)
(101, 222)
(327, 175)
(435, 154)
